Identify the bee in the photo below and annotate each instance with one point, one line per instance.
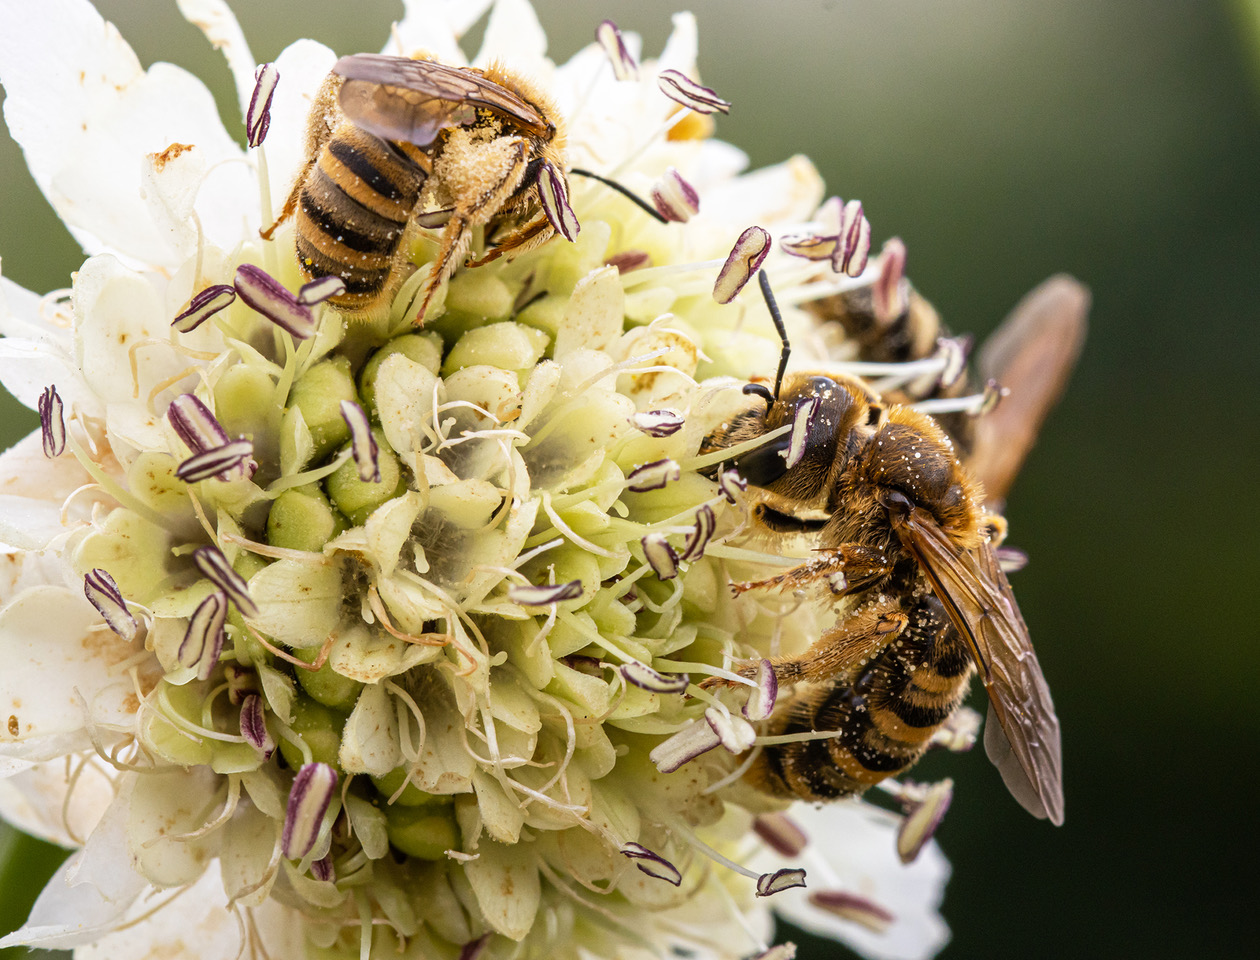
(899, 524)
(395, 145)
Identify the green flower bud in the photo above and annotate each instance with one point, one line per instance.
(357, 498)
(318, 396)
(422, 832)
(301, 519)
(320, 729)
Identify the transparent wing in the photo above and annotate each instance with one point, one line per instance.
(1032, 354)
(1025, 742)
(397, 98)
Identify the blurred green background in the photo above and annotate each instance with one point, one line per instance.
(1003, 140)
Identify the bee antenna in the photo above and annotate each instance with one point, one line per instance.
(633, 197)
(777, 317)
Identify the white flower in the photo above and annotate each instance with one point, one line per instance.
(387, 663)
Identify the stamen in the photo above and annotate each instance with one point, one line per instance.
(731, 483)
(782, 951)
(684, 746)
(103, 593)
(52, 424)
(653, 864)
(317, 291)
(809, 246)
(254, 726)
(195, 424)
(628, 260)
(553, 194)
(322, 869)
(780, 833)
(203, 639)
(801, 426)
(855, 241)
(676, 200)
(653, 476)
(434, 219)
(258, 116)
(473, 949)
(922, 818)
(734, 733)
(312, 792)
(849, 906)
(744, 260)
(661, 557)
(888, 293)
(623, 63)
(768, 884)
(531, 596)
(218, 462)
(643, 676)
(270, 298)
(682, 89)
(761, 701)
(241, 682)
(706, 523)
(214, 565)
(1011, 559)
(362, 443)
(657, 423)
(953, 351)
(203, 306)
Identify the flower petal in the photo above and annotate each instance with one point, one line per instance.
(215, 19)
(435, 26)
(514, 36)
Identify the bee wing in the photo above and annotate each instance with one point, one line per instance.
(396, 98)
(1032, 353)
(1024, 744)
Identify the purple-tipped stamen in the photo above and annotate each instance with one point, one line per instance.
(195, 424)
(802, 424)
(203, 639)
(254, 726)
(855, 241)
(312, 792)
(322, 869)
(734, 733)
(214, 566)
(761, 701)
(203, 306)
(434, 219)
(922, 819)
(682, 89)
(553, 194)
(272, 299)
(653, 864)
(888, 295)
(684, 746)
(768, 884)
(317, 291)
(52, 424)
(362, 443)
(780, 951)
(744, 260)
(653, 476)
(674, 198)
(641, 675)
(258, 116)
(661, 557)
(231, 459)
(531, 596)
(706, 524)
(657, 423)
(992, 396)
(730, 483)
(953, 353)
(474, 948)
(1011, 559)
(103, 593)
(241, 682)
(849, 906)
(623, 62)
(780, 833)
(810, 246)
(628, 260)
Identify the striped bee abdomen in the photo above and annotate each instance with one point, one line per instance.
(885, 713)
(352, 212)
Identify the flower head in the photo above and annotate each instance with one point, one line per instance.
(382, 634)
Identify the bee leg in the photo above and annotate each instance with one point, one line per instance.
(849, 643)
(519, 240)
(846, 568)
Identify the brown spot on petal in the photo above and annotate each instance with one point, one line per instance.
(160, 160)
(13, 725)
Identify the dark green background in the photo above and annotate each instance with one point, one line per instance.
(1004, 141)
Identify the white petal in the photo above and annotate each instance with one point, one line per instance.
(28, 367)
(56, 657)
(788, 192)
(434, 26)
(514, 35)
(504, 879)
(165, 806)
(169, 182)
(681, 47)
(86, 116)
(32, 800)
(853, 847)
(303, 65)
(32, 489)
(90, 893)
(21, 316)
(215, 19)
